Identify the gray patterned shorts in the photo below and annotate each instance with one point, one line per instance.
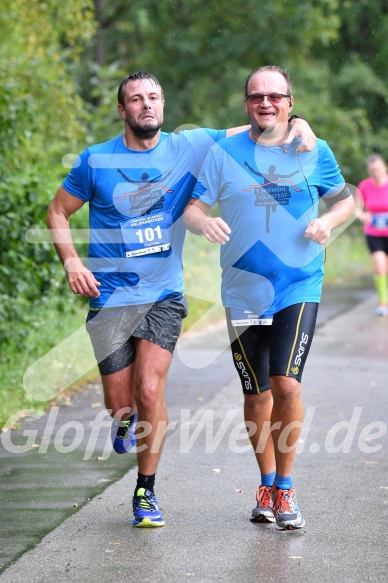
(113, 331)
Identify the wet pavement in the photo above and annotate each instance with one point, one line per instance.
(45, 484)
(207, 478)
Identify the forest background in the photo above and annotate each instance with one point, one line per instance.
(60, 66)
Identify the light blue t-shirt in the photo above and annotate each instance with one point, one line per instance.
(268, 196)
(136, 200)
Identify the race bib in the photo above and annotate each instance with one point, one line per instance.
(147, 234)
(239, 317)
(380, 221)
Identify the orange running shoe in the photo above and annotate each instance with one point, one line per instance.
(264, 507)
(286, 510)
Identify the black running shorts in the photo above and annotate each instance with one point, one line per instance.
(281, 348)
(377, 243)
(113, 331)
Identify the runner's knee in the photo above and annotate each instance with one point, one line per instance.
(258, 401)
(284, 388)
(149, 392)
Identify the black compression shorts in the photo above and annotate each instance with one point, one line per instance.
(113, 331)
(377, 243)
(262, 351)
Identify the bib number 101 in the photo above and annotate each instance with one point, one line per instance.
(149, 234)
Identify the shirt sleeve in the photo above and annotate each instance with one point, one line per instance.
(79, 181)
(207, 186)
(201, 140)
(331, 180)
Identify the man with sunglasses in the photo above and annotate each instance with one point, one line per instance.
(271, 259)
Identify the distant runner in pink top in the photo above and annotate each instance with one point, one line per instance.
(372, 210)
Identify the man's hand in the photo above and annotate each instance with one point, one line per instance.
(81, 280)
(61, 208)
(319, 230)
(301, 129)
(196, 219)
(216, 230)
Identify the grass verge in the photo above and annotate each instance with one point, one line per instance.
(49, 330)
(347, 259)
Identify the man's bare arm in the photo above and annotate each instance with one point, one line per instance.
(237, 130)
(299, 129)
(198, 222)
(81, 280)
(319, 230)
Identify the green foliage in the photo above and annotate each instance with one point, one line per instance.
(101, 96)
(348, 262)
(345, 128)
(41, 117)
(358, 65)
(202, 51)
(363, 32)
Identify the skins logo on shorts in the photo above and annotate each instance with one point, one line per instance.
(295, 369)
(301, 349)
(237, 356)
(244, 373)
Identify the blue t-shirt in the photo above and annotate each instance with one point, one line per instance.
(268, 196)
(136, 200)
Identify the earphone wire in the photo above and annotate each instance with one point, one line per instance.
(313, 203)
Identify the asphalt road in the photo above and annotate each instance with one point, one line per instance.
(208, 476)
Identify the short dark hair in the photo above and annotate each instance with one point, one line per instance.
(136, 76)
(274, 69)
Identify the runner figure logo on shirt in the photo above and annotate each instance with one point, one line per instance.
(149, 196)
(272, 192)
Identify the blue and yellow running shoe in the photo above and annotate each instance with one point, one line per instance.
(123, 434)
(146, 509)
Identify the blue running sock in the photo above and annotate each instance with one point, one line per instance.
(283, 482)
(267, 479)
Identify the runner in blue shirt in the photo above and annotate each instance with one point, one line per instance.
(271, 259)
(137, 186)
